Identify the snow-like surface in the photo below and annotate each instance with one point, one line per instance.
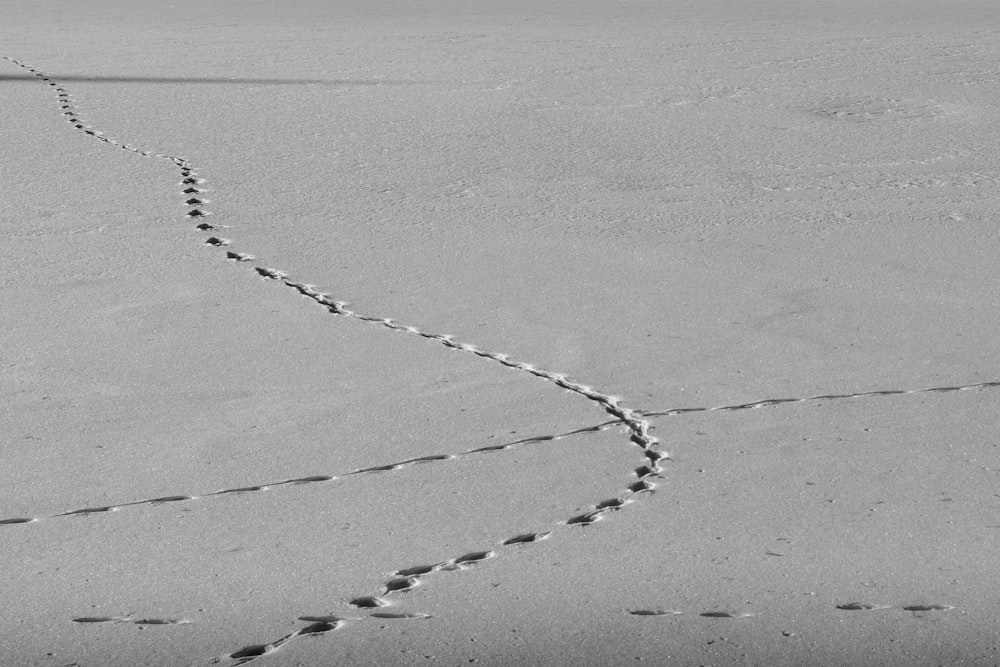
(685, 205)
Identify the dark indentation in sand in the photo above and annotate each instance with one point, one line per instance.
(473, 557)
(89, 510)
(491, 448)
(214, 240)
(583, 519)
(401, 585)
(253, 651)
(721, 614)
(416, 571)
(170, 499)
(653, 612)
(385, 468)
(642, 486)
(321, 619)
(190, 191)
(195, 213)
(398, 615)
(527, 538)
(308, 480)
(7, 522)
(654, 455)
(243, 489)
(427, 459)
(318, 628)
(642, 472)
(613, 504)
(927, 607)
(99, 619)
(267, 273)
(860, 606)
(205, 227)
(369, 602)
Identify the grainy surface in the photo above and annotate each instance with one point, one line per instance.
(765, 236)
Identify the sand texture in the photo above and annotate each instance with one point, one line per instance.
(510, 333)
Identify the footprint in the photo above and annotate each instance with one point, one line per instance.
(643, 472)
(527, 538)
(613, 504)
(655, 612)
(325, 619)
(642, 486)
(862, 606)
(382, 614)
(253, 651)
(162, 621)
(473, 557)
(168, 499)
(401, 585)
(416, 571)
(308, 480)
(491, 448)
(245, 489)
(5, 522)
(428, 459)
(369, 602)
(90, 510)
(269, 273)
(928, 607)
(725, 614)
(584, 519)
(319, 627)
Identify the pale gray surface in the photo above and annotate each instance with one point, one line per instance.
(687, 205)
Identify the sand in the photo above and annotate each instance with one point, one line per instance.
(721, 291)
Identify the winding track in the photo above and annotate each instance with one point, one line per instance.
(191, 187)
(635, 422)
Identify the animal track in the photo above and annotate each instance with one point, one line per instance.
(369, 602)
(928, 607)
(865, 606)
(405, 580)
(861, 606)
(823, 397)
(123, 619)
(254, 651)
(527, 538)
(725, 614)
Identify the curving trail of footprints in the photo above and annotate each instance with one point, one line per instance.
(192, 189)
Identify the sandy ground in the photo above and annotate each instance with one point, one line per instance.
(701, 208)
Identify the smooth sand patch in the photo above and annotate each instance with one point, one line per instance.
(680, 206)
